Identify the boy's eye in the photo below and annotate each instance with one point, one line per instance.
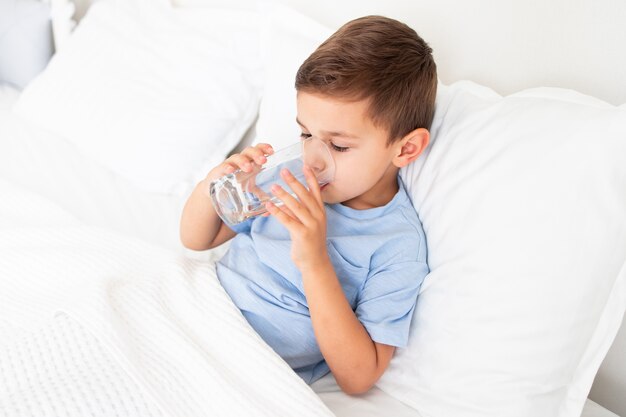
(332, 145)
(339, 148)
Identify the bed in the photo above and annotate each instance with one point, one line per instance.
(102, 312)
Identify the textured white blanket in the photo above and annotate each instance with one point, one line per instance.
(93, 323)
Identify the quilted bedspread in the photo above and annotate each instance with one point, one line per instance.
(93, 323)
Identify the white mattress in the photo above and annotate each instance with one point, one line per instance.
(51, 167)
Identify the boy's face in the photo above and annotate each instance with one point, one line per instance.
(365, 175)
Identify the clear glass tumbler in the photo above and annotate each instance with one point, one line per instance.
(241, 195)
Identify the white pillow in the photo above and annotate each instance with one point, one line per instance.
(523, 201)
(157, 95)
(288, 38)
(8, 96)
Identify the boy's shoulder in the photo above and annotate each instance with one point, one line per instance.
(405, 206)
(405, 237)
(393, 231)
(400, 216)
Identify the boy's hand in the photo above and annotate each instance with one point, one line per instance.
(245, 161)
(200, 226)
(305, 218)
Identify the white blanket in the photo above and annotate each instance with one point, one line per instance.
(93, 323)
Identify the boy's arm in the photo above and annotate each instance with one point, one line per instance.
(355, 360)
(200, 226)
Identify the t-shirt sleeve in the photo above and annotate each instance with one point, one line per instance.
(387, 301)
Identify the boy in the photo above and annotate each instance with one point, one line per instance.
(330, 279)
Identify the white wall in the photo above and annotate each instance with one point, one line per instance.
(609, 387)
(505, 44)
(509, 44)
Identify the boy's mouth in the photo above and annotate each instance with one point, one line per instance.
(322, 187)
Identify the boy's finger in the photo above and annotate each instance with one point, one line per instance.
(298, 188)
(241, 161)
(314, 186)
(282, 217)
(299, 211)
(266, 148)
(229, 168)
(255, 154)
(287, 211)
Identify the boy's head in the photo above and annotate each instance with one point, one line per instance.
(381, 60)
(369, 92)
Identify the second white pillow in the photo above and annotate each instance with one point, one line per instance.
(154, 94)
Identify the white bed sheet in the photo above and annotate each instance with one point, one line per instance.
(376, 403)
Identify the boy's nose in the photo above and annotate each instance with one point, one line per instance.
(319, 158)
(317, 166)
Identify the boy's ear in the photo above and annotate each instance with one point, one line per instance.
(410, 147)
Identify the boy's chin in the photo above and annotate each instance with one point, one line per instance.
(330, 199)
(327, 197)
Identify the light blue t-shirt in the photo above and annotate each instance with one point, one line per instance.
(379, 256)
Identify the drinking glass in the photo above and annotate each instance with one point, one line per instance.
(241, 195)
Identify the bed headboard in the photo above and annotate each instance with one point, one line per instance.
(507, 45)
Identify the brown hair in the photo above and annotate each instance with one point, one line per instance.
(379, 59)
